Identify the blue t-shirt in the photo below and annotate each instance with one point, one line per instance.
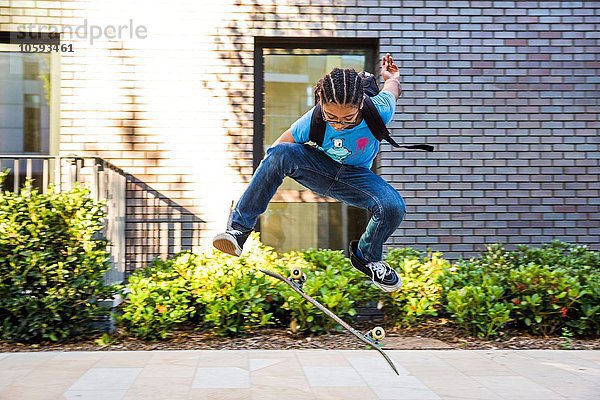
(355, 146)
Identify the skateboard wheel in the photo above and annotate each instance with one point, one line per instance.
(297, 275)
(377, 333)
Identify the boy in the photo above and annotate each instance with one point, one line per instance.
(340, 169)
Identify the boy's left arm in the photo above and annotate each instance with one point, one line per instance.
(391, 76)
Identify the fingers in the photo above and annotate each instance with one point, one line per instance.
(387, 61)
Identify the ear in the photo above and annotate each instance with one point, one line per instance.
(362, 103)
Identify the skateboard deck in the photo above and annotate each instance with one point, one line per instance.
(360, 336)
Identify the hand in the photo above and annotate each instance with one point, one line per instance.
(389, 70)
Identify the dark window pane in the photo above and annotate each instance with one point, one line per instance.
(32, 124)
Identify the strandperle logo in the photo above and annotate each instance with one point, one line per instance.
(85, 31)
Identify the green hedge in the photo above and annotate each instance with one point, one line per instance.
(540, 291)
(421, 291)
(333, 282)
(51, 264)
(215, 291)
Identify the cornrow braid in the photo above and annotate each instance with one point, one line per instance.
(341, 86)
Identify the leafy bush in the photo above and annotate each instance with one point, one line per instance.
(557, 286)
(542, 290)
(157, 299)
(421, 291)
(231, 295)
(219, 292)
(479, 309)
(51, 264)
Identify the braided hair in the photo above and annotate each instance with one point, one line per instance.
(341, 86)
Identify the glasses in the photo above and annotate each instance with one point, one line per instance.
(343, 123)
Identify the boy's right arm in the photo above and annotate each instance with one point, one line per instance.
(285, 137)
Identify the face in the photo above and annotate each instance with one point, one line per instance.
(340, 116)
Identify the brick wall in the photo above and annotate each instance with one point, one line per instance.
(507, 92)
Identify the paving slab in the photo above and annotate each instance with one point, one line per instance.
(301, 374)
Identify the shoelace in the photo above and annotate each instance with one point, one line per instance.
(379, 268)
(235, 232)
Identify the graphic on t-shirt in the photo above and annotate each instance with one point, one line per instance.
(362, 143)
(338, 152)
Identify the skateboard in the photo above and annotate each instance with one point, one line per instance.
(371, 338)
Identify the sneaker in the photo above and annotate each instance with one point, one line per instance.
(382, 275)
(231, 242)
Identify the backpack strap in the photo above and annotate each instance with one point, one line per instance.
(375, 122)
(317, 127)
(380, 131)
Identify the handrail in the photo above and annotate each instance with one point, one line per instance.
(141, 223)
(13, 156)
(16, 158)
(107, 182)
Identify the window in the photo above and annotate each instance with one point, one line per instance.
(287, 71)
(28, 106)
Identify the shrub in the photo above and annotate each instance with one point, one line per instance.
(157, 299)
(539, 290)
(216, 291)
(479, 309)
(51, 264)
(557, 286)
(542, 290)
(543, 296)
(229, 296)
(420, 294)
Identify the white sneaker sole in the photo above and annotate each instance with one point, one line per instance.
(227, 244)
(388, 288)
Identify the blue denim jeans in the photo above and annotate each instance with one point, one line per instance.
(357, 186)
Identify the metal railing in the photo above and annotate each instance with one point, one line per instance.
(105, 181)
(156, 226)
(141, 223)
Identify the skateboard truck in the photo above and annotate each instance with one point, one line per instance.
(376, 334)
(297, 276)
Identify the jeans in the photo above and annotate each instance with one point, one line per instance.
(357, 186)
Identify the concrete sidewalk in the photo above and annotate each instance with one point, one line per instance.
(302, 375)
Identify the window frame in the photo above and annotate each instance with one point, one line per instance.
(9, 42)
(369, 45)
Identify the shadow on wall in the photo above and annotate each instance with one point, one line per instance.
(156, 226)
(235, 47)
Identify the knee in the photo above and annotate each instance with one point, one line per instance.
(280, 157)
(393, 209)
(280, 150)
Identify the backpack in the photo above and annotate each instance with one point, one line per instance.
(369, 114)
